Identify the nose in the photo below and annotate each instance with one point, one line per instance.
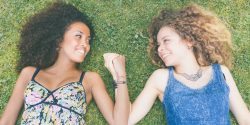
(84, 43)
(160, 48)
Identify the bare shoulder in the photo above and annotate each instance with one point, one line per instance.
(27, 73)
(28, 69)
(228, 76)
(93, 78)
(24, 77)
(159, 78)
(226, 72)
(224, 69)
(92, 75)
(160, 73)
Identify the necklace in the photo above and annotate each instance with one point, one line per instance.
(192, 77)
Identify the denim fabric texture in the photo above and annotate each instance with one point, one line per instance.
(208, 105)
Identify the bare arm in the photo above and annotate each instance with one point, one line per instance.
(237, 105)
(112, 113)
(115, 63)
(15, 103)
(147, 97)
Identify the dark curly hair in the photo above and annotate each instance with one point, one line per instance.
(43, 33)
(210, 38)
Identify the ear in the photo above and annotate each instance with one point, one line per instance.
(188, 43)
(59, 42)
(60, 45)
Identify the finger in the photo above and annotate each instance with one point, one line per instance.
(110, 55)
(108, 58)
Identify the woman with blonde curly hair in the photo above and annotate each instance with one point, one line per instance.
(195, 86)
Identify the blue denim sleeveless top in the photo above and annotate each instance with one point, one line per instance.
(208, 105)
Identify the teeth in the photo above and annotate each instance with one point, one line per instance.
(81, 51)
(164, 56)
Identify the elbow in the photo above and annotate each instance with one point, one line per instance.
(6, 122)
(116, 122)
(130, 122)
(112, 123)
(119, 120)
(119, 123)
(245, 121)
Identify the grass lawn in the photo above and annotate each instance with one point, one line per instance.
(121, 27)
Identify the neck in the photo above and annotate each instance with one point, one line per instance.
(188, 66)
(62, 65)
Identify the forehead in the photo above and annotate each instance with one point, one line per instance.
(79, 26)
(166, 32)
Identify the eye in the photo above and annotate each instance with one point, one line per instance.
(166, 40)
(158, 44)
(79, 36)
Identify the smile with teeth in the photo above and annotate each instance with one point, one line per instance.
(165, 55)
(81, 51)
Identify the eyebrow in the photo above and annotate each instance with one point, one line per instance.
(80, 31)
(164, 37)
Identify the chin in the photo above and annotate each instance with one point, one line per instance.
(79, 60)
(168, 63)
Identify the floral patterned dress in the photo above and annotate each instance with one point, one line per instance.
(65, 105)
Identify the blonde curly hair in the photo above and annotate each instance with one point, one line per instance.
(210, 37)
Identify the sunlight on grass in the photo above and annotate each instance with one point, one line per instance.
(121, 26)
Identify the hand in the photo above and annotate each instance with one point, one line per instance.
(115, 63)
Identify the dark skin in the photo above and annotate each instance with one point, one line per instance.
(73, 50)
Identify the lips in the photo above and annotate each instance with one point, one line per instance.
(164, 55)
(81, 52)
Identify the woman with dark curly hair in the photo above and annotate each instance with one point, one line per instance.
(51, 86)
(195, 86)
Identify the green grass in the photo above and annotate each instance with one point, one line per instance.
(121, 26)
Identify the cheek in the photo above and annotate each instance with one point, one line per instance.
(168, 48)
(158, 50)
(163, 47)
(68, 43)
(88, 48)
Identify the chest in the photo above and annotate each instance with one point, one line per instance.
(67, 94)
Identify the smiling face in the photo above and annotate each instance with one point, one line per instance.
(172, 49)
(75, 44)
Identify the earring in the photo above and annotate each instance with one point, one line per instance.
(57, 48)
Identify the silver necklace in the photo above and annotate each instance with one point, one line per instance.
(192, 77)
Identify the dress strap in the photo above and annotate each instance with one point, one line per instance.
(35, 73)
(171, 72)
(81, 77)
(169, 84)
(218, 72)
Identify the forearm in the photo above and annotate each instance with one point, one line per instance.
(11, 112)
(245, 120)
(6, 119)
(121, 109)
(116, 65)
